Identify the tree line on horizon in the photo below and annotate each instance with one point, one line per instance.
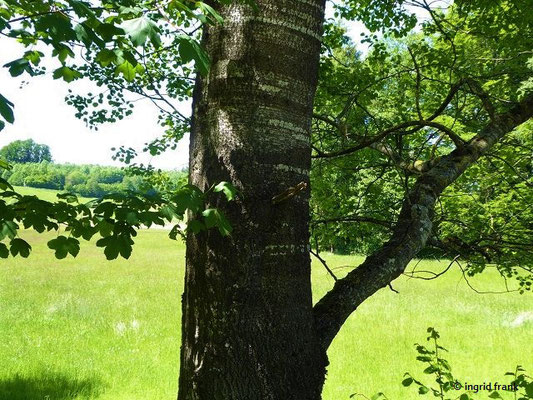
(32, 166)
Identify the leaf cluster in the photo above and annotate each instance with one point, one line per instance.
(115, 218)
(384, 118)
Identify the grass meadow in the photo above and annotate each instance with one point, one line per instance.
(87, 328)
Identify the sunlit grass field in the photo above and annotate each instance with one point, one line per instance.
(44, 194)
(87, 328)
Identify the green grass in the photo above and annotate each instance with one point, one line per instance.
(92, 329)
(375, 347)
(44, 194)
(108, 329)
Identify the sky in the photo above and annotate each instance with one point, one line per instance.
(42, 115)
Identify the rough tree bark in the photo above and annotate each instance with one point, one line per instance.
(247, 329)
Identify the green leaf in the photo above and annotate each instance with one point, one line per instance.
(17, 67)
(57, 26)
(115, 245)
(493, 395)
(69, 197)
(465, 396)
(62, 52)
(208, 10)
(105, 208)
(4, 252)
(105, 228)
(168, 212)
(8, 229)
(4, 185)
(106, 57)
(431, 369)
(81, 8)
(227, 188)
(20, 247)
(190, 50)
(33, 56)
(66, 73)
(125, 10)
(189, 197)
(4, 164)
(175, 231)
(110, 250)
(407, 381)
(214, 218)
(195, 226)
(6, 109)
(423, 390)
(140, 29)
(529, 389)
(127, 70)
(63, 246)
(84, 34)
(108, 31)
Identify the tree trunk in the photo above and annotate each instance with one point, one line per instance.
(248, 328)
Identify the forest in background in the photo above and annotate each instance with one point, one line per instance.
(32, 166)
(85, 180)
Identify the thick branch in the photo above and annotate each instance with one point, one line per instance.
(368, 142)
(413, 228)
(383, 134)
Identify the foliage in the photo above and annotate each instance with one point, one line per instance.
(127, 47)
(115, 218)
(385, 118)
(416, 96)
(115, 34)
(25, 151)
(447, 386)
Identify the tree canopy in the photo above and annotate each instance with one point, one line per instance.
(25, 151)
(382, 120)
(385, 119)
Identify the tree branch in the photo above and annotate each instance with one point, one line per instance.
(317, 255)
(416, 167)
(417, 124)
(418, 81)
(413, 228)
(383, 134)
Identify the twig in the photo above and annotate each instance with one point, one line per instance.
(418, 80)
(324, 264)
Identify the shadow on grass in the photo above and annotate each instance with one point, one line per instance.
(49, 386)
